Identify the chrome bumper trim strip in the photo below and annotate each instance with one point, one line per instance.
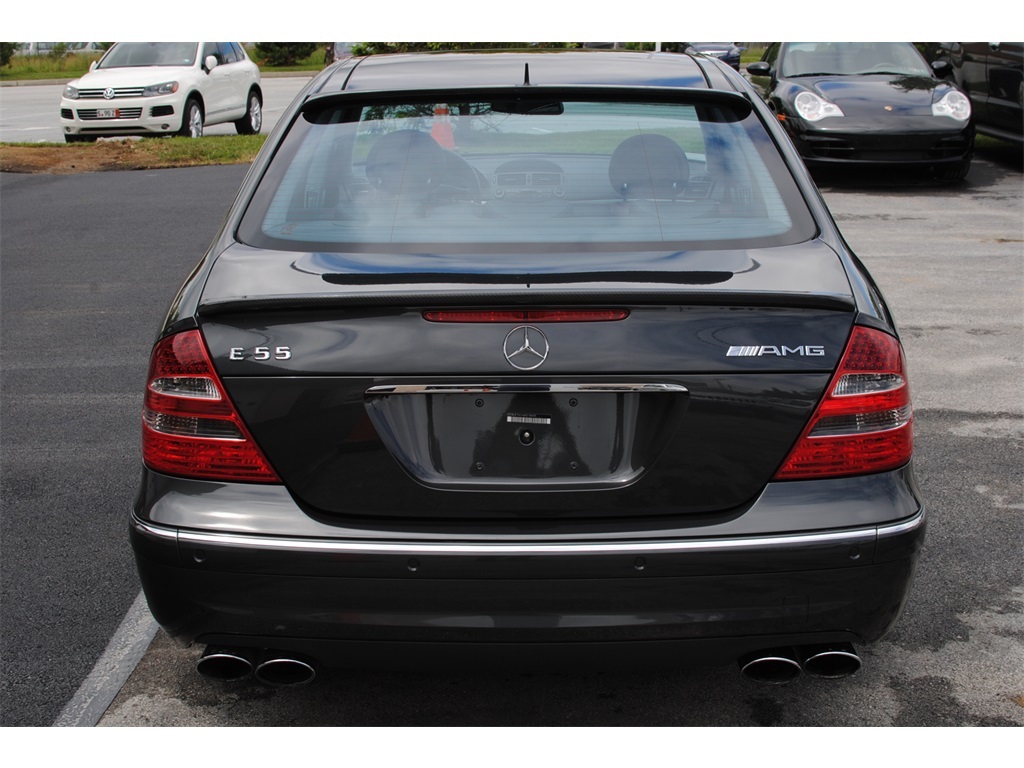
(557, 388)
(862, 536)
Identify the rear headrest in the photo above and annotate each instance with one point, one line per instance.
(648, 166)
(406, 162)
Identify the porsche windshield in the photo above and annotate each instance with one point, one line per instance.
(506, 172)
(804, 59)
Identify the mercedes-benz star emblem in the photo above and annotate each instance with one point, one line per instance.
(526, 347)
(108, 93)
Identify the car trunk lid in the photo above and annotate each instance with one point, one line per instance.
(374, 395)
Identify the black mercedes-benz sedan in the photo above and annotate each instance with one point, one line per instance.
(876, 105)
(543, 357)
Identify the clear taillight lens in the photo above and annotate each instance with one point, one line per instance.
(864, 423)
(190, 427)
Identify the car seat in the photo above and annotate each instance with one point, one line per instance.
(648, 166)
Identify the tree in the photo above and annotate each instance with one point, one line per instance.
(7, 50)
(284, 54)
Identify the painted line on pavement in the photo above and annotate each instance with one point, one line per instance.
(123, 653)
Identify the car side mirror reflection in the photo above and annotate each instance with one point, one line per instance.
(210, 62)
(942, 68)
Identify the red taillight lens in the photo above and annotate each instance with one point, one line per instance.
(865, 421)
(190, 427)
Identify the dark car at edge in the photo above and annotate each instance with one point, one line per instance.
(528, 358)
(992, 75)
(874, 105)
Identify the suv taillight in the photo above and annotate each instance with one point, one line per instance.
(190, 427)
(865, 421)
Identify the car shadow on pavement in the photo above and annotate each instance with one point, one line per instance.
(992, 163)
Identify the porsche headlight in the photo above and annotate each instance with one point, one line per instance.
(954, 104)
(161, 89)
(70, 92)
(812, 107)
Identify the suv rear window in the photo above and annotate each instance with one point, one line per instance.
(541, 174)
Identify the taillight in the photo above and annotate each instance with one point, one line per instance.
(865, 421)
(190, 427)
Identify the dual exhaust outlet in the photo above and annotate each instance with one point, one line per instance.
(781, 665)
(269, 667)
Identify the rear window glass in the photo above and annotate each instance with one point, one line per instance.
(543, 174)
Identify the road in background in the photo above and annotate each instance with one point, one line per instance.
(32, 112)
(89, 264)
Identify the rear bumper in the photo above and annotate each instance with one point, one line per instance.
(699, 596)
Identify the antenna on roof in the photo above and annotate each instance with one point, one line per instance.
(526, 76)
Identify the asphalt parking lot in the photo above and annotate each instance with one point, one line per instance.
(88, 264)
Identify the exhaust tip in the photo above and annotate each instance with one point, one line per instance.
(226, 664)
(834, 660)
(284, 670)
(777, 666)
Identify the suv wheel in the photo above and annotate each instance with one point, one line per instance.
(253, 120)
(192, 120)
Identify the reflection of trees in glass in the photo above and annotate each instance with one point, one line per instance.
(913, 83)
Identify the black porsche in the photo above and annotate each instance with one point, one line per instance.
(543, 357)
(876, 105)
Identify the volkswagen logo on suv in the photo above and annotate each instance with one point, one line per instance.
(526, 347)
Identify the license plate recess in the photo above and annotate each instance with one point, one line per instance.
(526, 436)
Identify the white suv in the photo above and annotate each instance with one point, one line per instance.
(142, 89)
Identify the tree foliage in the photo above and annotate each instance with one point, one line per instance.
(7, 50)
(283, 54)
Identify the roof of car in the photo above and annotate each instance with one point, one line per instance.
(509, 69)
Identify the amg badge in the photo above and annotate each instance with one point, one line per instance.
(806, 350)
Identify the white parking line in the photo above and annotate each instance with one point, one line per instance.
(123, 653)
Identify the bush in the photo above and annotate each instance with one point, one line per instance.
(6, 52)
(283, 54)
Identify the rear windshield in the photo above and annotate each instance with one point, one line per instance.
(150, 55)
(543, 174)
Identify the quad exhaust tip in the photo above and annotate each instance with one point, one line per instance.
(226, 664)
(831, 660)
(269, 667)
(783, 665)
(279, 669)
(776, 666)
